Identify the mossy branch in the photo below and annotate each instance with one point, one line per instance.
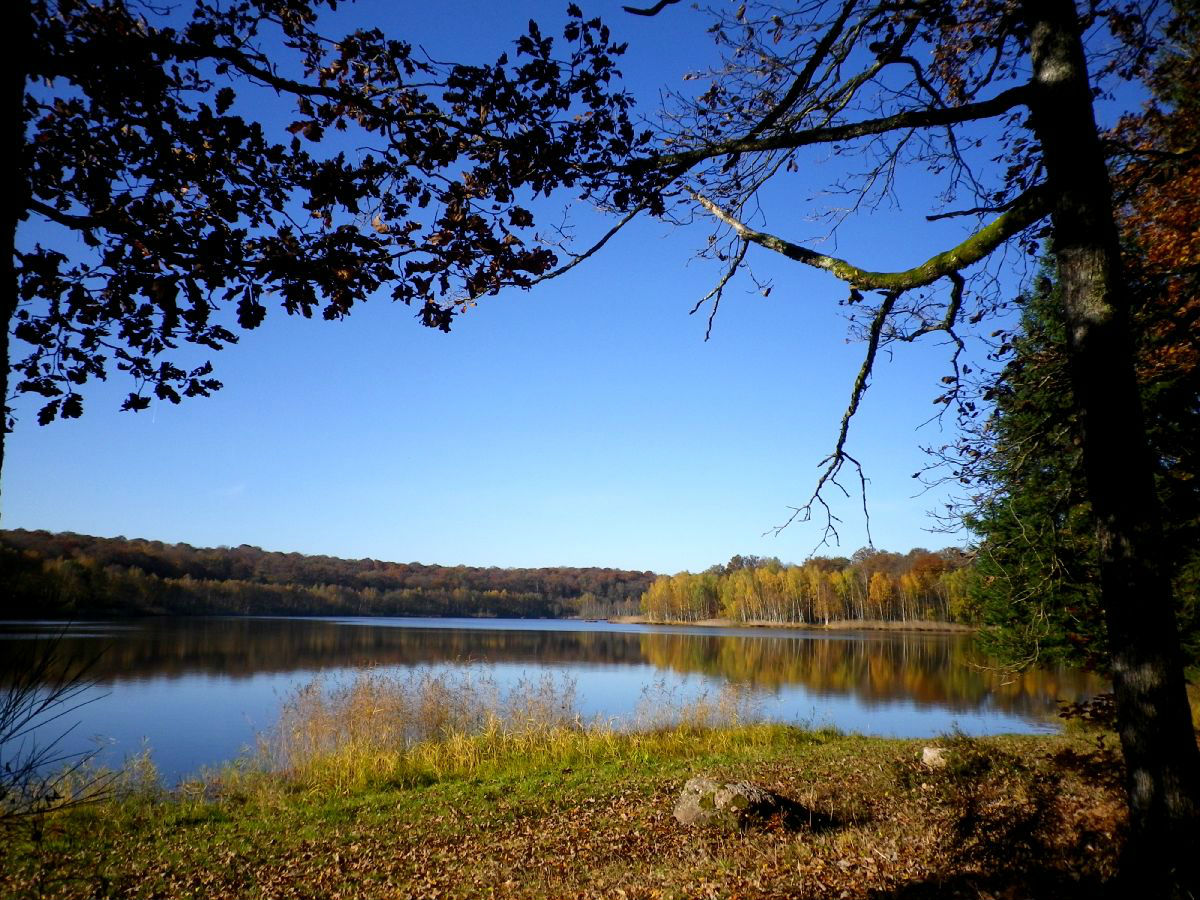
(1024, 211)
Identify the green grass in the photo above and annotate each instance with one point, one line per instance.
(497, 801)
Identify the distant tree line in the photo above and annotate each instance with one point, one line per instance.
(871, 584)
(67, 574)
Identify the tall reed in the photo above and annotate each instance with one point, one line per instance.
(386, 728)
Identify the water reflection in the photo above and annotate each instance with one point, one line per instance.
(873, 667)
(246, 647)
(929, 670)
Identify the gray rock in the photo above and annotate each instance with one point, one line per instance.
(733, 804)
(934, 757)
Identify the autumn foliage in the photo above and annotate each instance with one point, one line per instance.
(69, 575)
(871, 585)
(1160, 216)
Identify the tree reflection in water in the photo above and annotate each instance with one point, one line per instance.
(943, 670)
(927, 669)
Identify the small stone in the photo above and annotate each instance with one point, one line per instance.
(934, 757)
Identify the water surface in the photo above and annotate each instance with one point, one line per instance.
(199, 691)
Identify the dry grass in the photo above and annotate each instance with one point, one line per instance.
(427, 725)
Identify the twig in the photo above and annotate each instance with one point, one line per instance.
(834, 461)
(717, 292)
(577, 258)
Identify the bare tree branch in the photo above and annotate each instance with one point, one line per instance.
(839, 457)
(1024, 211)
(719, 291)
(917, 118)
(804, 79)
(952, 310)
(577, 258)
(650, 11)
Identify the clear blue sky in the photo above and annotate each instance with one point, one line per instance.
(585, 423)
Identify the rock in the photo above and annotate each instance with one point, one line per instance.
(934, 757)
(733, 804)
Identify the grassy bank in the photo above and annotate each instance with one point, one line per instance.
(389, 789)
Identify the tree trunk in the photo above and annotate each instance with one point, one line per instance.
(1157, 738)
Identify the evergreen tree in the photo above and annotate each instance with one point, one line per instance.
(1037, 569)
(1036, 582)
(1036, 585)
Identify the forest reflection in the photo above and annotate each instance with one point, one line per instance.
(941, 670)
(874, 667)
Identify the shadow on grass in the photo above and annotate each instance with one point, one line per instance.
(1022, 885)
(1010, 832)
(1103, 767)
(794, 816)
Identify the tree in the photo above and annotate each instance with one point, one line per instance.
(1037, 563)
(1037, 586)
(912, 82)
(138, 139)
(996, 97)
(880, 594)
(1038, 557)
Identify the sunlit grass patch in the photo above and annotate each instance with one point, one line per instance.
(420, 727)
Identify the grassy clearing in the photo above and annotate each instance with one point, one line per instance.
(435, 787)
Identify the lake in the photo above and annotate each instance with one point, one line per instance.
(199, 691)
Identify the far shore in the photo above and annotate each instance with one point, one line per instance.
(835, 625)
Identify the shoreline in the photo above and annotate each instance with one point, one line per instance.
(564, 813)
(835, 625)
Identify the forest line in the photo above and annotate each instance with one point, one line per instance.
(67, 575)
(871, 585)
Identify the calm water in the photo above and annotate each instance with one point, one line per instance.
(197, 691)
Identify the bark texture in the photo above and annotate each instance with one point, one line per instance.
(1157, 738)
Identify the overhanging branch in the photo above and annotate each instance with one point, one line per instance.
(580, 257)
(649, 11)
(832, 464)
(718, 292)
(1024, 211)
(804, 79)
(936, 117)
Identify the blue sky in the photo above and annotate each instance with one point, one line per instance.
(585, 423)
